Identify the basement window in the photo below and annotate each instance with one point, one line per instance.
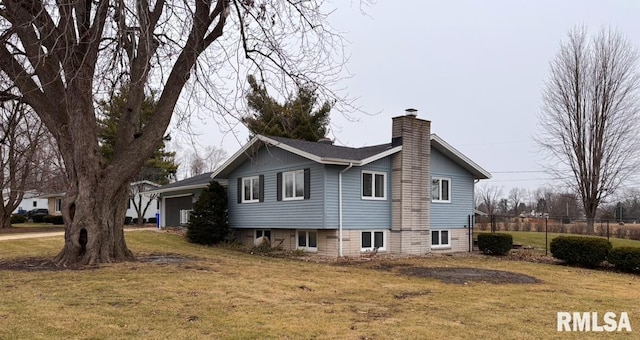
(440, 239)
(372, 240)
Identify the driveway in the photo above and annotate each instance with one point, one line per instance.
(59, 233)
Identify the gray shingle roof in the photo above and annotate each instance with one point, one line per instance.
(202, 179)
(326, 150)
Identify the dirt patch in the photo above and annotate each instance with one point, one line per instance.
(465, 275)
(25, 230)
(34, 264)
(163, 259)
(45, 264)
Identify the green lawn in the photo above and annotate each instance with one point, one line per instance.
(211, 293)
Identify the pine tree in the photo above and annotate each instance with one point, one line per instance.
(161, 166)
(208, 223)
(295, 118)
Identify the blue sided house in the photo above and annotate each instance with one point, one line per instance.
(412, 196)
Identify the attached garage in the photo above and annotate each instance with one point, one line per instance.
(177, 199)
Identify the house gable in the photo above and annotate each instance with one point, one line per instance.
(266, 163)
(453, 214)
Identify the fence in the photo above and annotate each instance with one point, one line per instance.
(607, 228)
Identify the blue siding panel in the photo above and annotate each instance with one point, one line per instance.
(454, 214)
(301, 214)
(358, 213)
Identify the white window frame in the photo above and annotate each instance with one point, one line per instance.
(373, 235)
(306, 234)
(373, 185)
(440, 179)
(251, 181)
(57, 205)
(296, 185)
(185, 216)
(440, 245)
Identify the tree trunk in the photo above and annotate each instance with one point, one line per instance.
(590, 226)
(5, 220)
(94, 220)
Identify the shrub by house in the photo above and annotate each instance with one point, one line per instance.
(579, 250)
(208, 222)
(495, 244)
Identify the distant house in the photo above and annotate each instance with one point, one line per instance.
(30, 200)
(54, 202)
(414, 195)
(138, 192)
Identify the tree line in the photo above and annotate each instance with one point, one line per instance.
(556, 204)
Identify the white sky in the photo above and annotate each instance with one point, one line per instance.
(474, 68)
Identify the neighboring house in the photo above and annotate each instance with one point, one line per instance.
(414, 195)
(54, 202)
(176, 199)
(31, 200)
(142, 200)
(138, 192)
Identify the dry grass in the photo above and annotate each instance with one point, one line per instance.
(218, 293)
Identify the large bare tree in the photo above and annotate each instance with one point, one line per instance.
(63, 56)
(20, 135)
(589, 118)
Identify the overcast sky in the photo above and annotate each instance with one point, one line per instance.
(475, 69)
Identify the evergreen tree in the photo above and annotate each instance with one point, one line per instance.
(208, 223)
(161, 166)
(295, 118)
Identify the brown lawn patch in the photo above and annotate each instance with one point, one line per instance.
(464, 275)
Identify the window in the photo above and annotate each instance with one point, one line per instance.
(440, 239)
(308, 240)
(372, 240)
(263, 233)
(441, 190)
(250, 189)
(293, 185)
(374, 185)
(58, 205)
(185, 216)
(35, 204)
(129, 203)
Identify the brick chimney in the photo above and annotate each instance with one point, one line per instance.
(411, 180)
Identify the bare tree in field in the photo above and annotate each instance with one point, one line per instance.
(20, 134)
(589, 119)
(62, 57)
(516, 195)
(490, 195)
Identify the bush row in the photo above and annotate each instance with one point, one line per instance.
(54, 219)
(592, 251)
(18, 219)
(625, 258)
(578, 250)
(495, 244)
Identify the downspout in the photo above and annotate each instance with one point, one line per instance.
(340, 206)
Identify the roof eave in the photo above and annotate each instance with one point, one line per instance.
(180, 188)
(477, 171)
